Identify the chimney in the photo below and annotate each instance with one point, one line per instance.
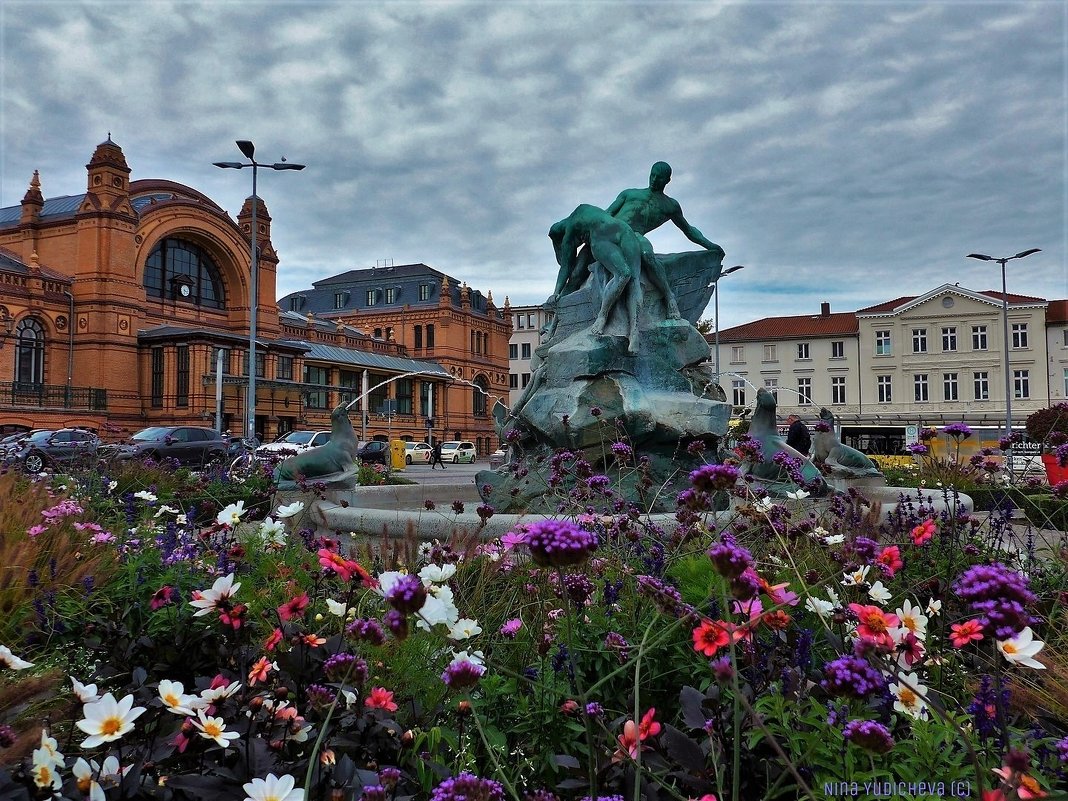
(825, 309)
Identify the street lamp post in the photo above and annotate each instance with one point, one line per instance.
(728, 271)
(1005, 325)
(248, 150)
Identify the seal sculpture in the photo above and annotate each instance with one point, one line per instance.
(764, 428)
(842, 460)
(334, 461)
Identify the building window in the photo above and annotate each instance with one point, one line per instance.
(978, 337)
(317, 376)
(1065, 337)
(838, 389)
(838, 349)
(340, 299)
(1019, 335)
(738, 385)
(173, 262)
(886, 386)
(372, 297)
(480, 396)
(530, 321)
(519, 321)
(285, 368)
(513, 351)
(919, 340)
(804, 391)
(225, 360)
(919, 386)
(772, 386)
(949, 386)
(182, 384)
(391, 295)
(157, 378)
(405, 390)
(526, 350)
(417, 332)
(261, 363)
(513, 381)
(737, 353)
(981, 385)
(424, 292)
(769, 353)
(949, 338)
(389, 334)
(802, 351)
(1021, 384)
(1066, 382)
(882, 343)
(526, 380)
(29, 352)
(430, 335)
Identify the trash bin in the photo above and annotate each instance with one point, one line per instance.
(396, 453)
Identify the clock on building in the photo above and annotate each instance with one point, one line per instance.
(184, 290)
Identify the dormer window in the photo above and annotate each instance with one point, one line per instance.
(341, 300)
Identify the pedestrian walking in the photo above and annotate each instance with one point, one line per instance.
(797, 437)
(435, 456)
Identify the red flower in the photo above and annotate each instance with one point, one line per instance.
(294, 608)
(161, 597)
(260, 670)
(233, 616)
(273, 640)
(630, 740)
(313, 640)
(874, 624)
(923, 533)
(380, 698)
(890, 559)
(345, 568)
(963, 633)
(709, 637)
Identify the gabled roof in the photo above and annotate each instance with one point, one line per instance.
(53, 207)
(359, 358)
(1057, 312)
(808, 325)
(906, 302)
(167, 332)
(10, 263)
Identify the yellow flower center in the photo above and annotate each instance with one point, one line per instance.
(1009, 648)
(110, 725)
(212, 729)
(172, 700)
(907, 697)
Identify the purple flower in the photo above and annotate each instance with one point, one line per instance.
(458, 507)
(468, 787)
(340, 666)
(1062, 749)
(722, 669)
(713, 477)
(595, 411)
(579, 587)
(615, 641)
(485, 511)
(594, 709)
(851, 676)
(957, 431)
(622, 450)
(366, 630)
(559, 543)
(397, 623)
(7, 736)
(918, 449)
(462, 674)
(429, 505)
(374, 792)
(729, 558)
(320, 696)
(667, 599)
(869, 735)
(1061, 455)
(408, 595)
(511, 628)
(389, 777)
(746, 585)
(999, 595)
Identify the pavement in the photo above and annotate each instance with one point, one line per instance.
(453, 474)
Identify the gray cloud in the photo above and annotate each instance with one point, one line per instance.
(843, 152)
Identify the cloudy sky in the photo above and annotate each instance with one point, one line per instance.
(847, 152)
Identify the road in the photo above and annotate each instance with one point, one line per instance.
(453, 474)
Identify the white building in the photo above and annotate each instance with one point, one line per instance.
(527, 324)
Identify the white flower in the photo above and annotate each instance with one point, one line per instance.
(8, 659)
(49, 744)
(145, 495)
(387, 580)
(87, 774)
(1021, 649)
(112, 485)
(437, 574)
(910, 695)
(165, 510)
(474, 657)
(834, 539)
(273, 532)
(181, 520)
(221, 590)
(302, 735)
(819, 532)
(819, 606)
(879, 593)
(86, 692)
(933, 607)
(764, 503)
(214, 694)
(350, 698)
(214, 729)
(336, 607)
(174, 697)
(833, 596)
(289, 510)
(464, 629)
(856, 578)
(231, 515)
(44, 770)
(912, 619)
(273, 788)
(797, 495)
(107, 720)
(439, 608)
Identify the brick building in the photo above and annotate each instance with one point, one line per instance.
(431, 316)
(118, 301)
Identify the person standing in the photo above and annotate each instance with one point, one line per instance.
(797, 436)
(435, 456)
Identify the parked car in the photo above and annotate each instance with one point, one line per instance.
(47, 448)
(9, 443)
(417, 452)
(294, 442)
(498, 458)
(456, 452)
(188, 445)
(374, 452)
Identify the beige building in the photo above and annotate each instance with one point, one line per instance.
(914, 361)
(527, 323)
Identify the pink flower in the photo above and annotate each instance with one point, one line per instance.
(273, 640)
(511, 628)
(631, 739)
(294, 608)
(889, 559)
(345, 568)
(963, 633)
(163, 596)
(923, 533)
(380, 698)
(33, 531)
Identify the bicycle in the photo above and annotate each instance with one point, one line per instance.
(246, 459)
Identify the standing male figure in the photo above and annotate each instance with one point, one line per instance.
(435, 456)
(797, 436)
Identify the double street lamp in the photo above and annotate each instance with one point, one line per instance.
(1005, 324)
(248, 150)
(728, 271)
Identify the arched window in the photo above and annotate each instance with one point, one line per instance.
(179, 270)
(29, 352)
(481, 396)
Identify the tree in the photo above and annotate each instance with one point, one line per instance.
(706, 326)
